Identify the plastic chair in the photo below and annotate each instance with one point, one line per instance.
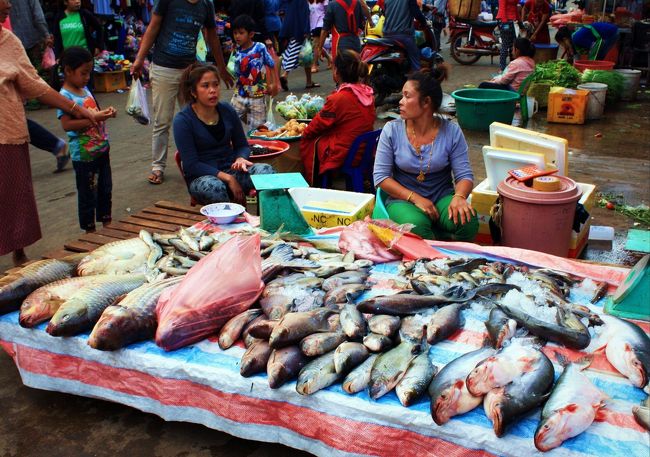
(179, 163)
(380, 211)
(355, 174)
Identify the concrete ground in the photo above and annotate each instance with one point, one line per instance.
(612, 153)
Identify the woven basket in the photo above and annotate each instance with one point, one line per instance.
(539, 90)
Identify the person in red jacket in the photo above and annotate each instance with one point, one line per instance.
(348, 112)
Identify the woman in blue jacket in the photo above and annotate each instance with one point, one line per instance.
(211, 140)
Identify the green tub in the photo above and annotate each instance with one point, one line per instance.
(476, 109)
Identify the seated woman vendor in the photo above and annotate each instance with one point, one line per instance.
(517, 70)
(211, 140)
(422, 163)
(348, 112)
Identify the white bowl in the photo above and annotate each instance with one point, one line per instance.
(222, 213)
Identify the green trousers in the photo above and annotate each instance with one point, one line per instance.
(404, 212)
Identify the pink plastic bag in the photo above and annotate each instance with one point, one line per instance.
(358, 238)
(221, 285)
(49, 59)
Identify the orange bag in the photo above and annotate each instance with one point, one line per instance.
(221, 285)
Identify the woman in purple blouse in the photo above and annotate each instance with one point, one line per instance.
(423, 165)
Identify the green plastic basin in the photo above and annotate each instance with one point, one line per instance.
(476, 109)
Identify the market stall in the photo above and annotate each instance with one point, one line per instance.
(202, 383)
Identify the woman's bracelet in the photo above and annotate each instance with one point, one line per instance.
(408, 199)
(461, 196)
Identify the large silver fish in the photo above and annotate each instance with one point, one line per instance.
(416, 380)
(132, 319)
(500, 327)
(118, 257)
(390, 367)
(359, 378)
(383, 324)
(348, 355)
(231, 331)
(255, 359)
(352, 322)
(343, 278)
(16, 286)
(572, 407)
(293, 327)
(284, 365)
(155, 251)
(318, 344)
(317, 375)
(449, 394)
(81, 311)
(444, 323)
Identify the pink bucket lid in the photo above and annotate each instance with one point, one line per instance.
(519, 191)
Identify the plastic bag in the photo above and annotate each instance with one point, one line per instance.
(270, 117)
(49, 59)
(359, 239)
(306, 56)
(231, 64)
(223, 284)
(136, 103)
(275, 76)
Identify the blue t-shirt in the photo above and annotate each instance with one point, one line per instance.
(249, 70)
(91, 143)
(179, 32)
(584, 38)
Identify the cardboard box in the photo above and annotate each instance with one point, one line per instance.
(110, 81)
(567, 106)
(331, 208)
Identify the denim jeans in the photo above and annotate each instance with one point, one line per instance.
(94, 190)
(42, 138)
(412, 50)
(210, 189)
(165, 83)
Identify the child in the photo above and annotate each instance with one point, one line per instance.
(521, 66)
(89, 146)
(252, 60)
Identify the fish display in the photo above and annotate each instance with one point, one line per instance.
(117, 258)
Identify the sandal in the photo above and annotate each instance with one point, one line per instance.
(156, 177)
(284, 83)
(312, 86)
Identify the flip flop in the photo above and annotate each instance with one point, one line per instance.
(156, 177)
(284, 83)
(312, 86)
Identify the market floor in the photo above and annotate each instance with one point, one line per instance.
(613, 153)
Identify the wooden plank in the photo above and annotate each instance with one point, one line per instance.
(80, 246)
(58, 254)
(150, 224)
(97, 239)
(184, 222)
(178, 207)
(114, 233)
(174, 213)
(130, 228)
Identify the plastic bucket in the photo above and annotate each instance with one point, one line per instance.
(476, 109)
(545, 52)
(541, 221)
(582, 65)
(630, 83)
(596, 99)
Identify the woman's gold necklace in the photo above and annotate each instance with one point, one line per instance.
(214, 122)
(418, 152)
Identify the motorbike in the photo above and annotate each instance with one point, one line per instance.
(471, 40)
(388, 63)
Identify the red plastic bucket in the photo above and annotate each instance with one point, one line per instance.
(582, 65)
(541, 221)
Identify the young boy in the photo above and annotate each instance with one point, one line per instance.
(253, 74)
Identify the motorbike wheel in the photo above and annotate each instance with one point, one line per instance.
(460, 41)
(378, 89)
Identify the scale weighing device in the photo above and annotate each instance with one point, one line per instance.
(276, 208)
(632, 298)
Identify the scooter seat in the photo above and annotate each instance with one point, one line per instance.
(383, 42)
(490, 24)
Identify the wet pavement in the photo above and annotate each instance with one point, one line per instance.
(612, 153)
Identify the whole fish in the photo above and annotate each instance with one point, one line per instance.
(627, 347)
(295, 326)
(352, 322)
(262, 328)
(444, 323)
(359, 378)
(275, 306)
(118, 257)
(321, 343)
(503, 367)
(416, 380)
(317, 375)
(423, 287)
(401, 304)
(568, 330)
(309, 300)
(41, 304)
(641, 413)
(377, 343)
(81, 311)
(343, 278)
(348, 355)
(344, 294)
(185, 249)
(295, 279)
(506, 404)
(449, 395)
(390, 367)
(16, 286)
(205, 243)
(600, 292)
(500, 327)
(282, 257)
(255, 359)
(413, 327)
(155, 251)
(132, 319)
(231, 331)
(246, 336)
(383, 324)
(466, 266)
(189, 239)
(284, 365)
(572, 407)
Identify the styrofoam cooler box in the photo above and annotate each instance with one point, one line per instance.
(555, 149)
(331, 208)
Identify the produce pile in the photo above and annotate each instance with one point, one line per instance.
(310, 316)
(305, 107)
(559, 73)
(291, 129)
(613, 80)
